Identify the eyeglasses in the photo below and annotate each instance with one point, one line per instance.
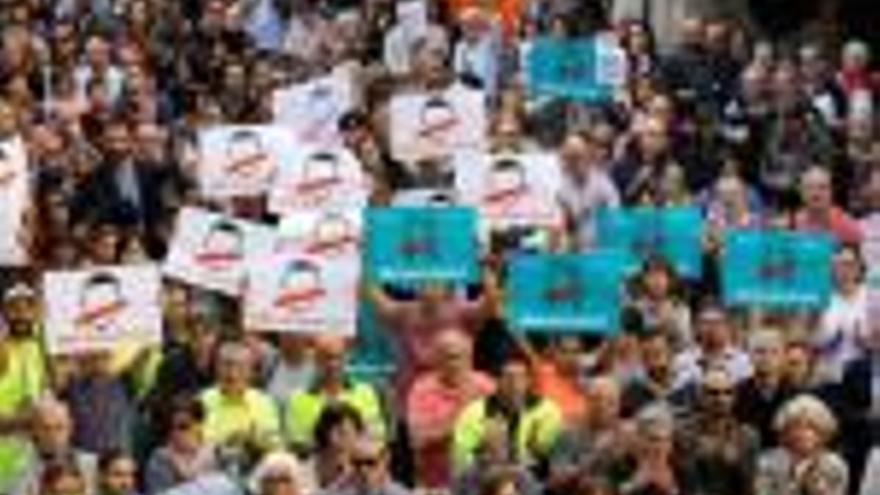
(719, 392)
(183, 425)
(278, 479)
(366, 462)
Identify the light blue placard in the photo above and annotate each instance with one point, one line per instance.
(566, 68)
(415, 245)
(778, 269)
(673, 233)
(568, 293)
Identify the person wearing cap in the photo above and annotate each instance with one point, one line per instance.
(21, 315)
(22, 382)
(331, 384)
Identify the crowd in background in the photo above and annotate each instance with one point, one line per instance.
(761, 117)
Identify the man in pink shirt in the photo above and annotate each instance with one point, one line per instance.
(416, 324)
(434, 402)
(819, 212)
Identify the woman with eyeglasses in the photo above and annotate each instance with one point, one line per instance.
(184, 456)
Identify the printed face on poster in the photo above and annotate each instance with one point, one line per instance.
(303, 293)
(432, 127)
(240, 160)
(14, 194)
(318, 178)
(566, 293)
(100, 308)
(778, 269)
(312, 110)
(414, 245)
(327, 234)
(510, 190)
(210, 250)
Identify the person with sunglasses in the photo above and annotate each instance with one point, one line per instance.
(718, 452)
(370, 474)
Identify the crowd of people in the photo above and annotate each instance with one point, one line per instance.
(758, 128)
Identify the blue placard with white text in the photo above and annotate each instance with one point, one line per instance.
(575, 69)
(416, 245)
(675, 233)
(565, 293)
(776, 269)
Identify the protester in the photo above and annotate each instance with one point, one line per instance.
(332, 385)
(183, 456)
(703, 175)
(532, 422)
(803, 463)
(435, 402)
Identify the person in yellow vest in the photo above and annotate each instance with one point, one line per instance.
(332, 385)
(242, 420)
(18, 393)
(531, 422)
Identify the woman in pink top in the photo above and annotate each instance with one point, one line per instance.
(436, 399)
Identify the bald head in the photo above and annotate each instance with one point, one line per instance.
(52, 426)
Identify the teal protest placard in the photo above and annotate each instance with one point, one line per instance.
(673, 233)
(584, 69)
(776, 269)
(565, 293)
(429, 244)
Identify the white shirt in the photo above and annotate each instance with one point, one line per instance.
(839, 331)
(582, 200)
(689, 365)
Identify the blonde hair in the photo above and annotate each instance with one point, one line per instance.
(807, 408)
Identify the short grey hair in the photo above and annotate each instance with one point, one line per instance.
(655, 418)
(806, 407)
(764, 338)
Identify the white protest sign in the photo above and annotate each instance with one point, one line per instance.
(327, 234)
(412, 16)
(302, 293)
(425, 127)
(312, 110)
(14, 196)
(320, 178)
(210, 250)
(510, 189)
(99, 308)
(240, 160)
